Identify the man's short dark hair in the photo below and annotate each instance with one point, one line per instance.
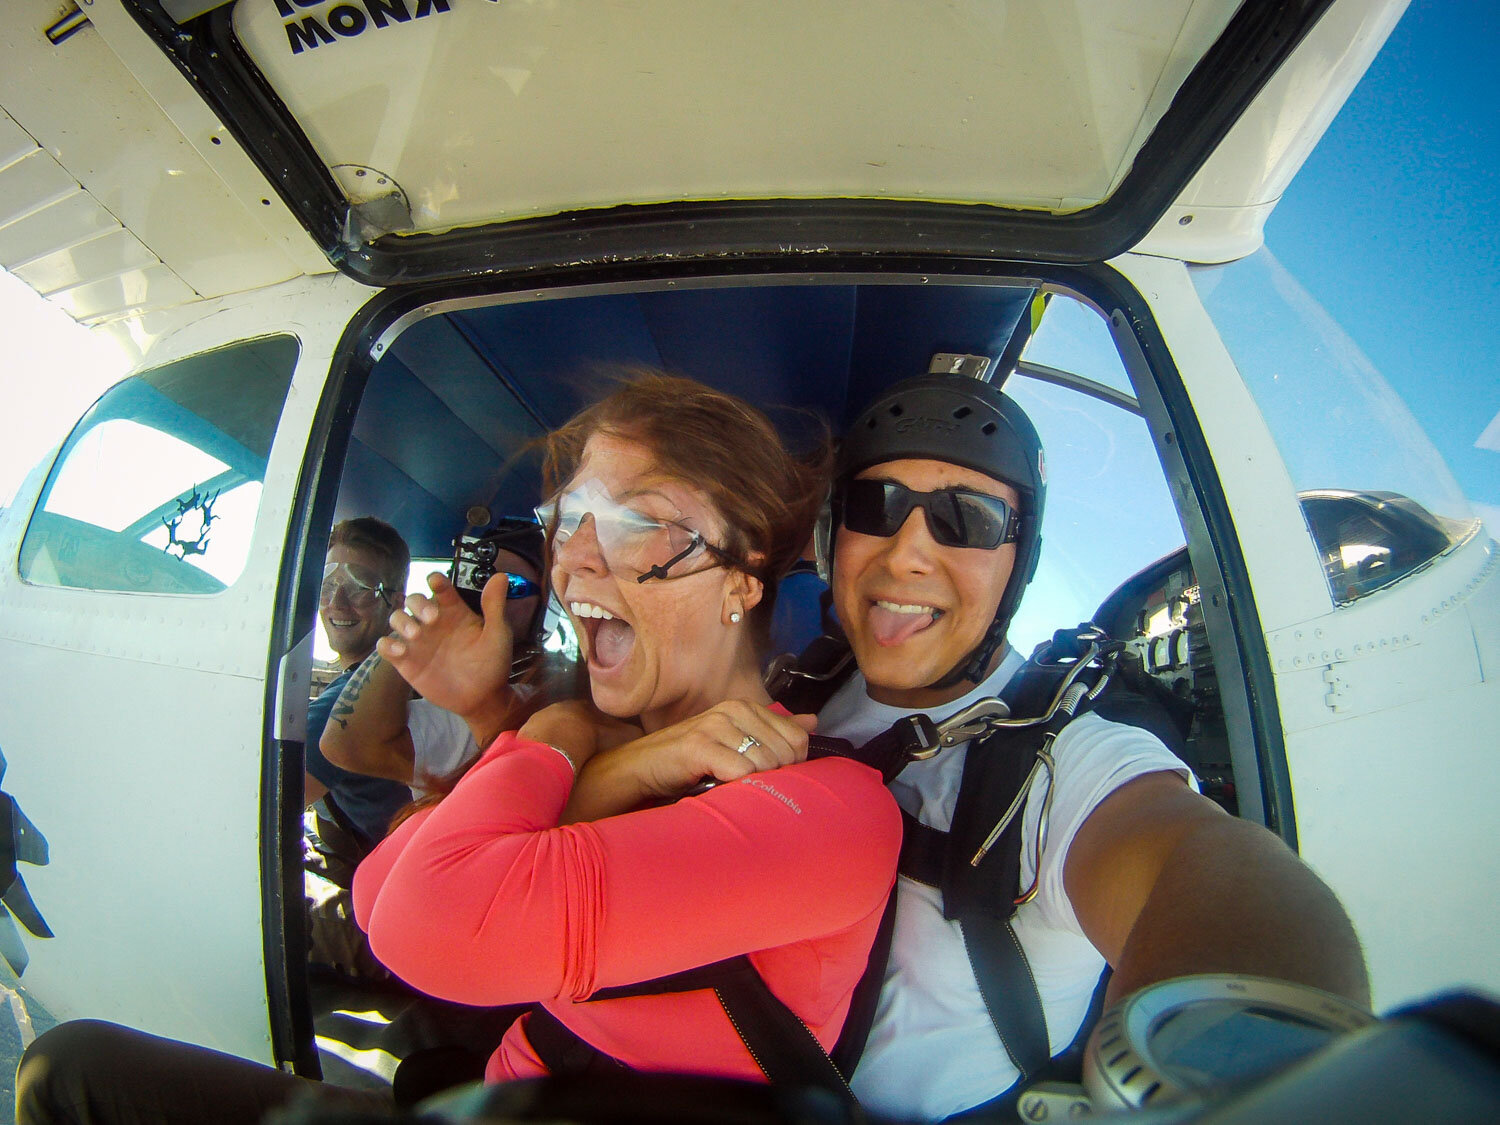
(379, 538)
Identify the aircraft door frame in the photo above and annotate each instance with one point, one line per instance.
(135, 740)
(1205, 427)
(1385, 702)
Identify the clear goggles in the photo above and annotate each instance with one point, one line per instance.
(634, 545)
(362, 587)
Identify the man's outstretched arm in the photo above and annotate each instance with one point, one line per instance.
(367, 731)
(1165, 884)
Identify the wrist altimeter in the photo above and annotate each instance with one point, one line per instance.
(1193, 1038)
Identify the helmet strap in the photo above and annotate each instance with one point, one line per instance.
(976, 665)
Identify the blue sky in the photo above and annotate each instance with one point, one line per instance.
(1392, 226)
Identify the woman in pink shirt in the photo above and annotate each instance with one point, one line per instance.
(576, 856)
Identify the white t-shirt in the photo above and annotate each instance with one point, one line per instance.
(932, 1050)
(440, 740)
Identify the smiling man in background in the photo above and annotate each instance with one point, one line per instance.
(364, 579)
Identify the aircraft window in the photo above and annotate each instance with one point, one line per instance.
(1378, 500)
(158, 486)
(1368, 540)
(1109, 511)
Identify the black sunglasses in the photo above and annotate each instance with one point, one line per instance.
(956, 517)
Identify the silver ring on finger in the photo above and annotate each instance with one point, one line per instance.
(745, 743)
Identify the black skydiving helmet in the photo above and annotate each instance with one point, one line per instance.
(962, 421)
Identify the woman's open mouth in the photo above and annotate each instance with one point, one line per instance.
(609, 638)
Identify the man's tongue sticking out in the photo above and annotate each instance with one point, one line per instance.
(612, 642)
(892, 626)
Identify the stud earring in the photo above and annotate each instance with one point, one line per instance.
(734, 617)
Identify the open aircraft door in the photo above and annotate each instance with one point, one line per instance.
(151, 631)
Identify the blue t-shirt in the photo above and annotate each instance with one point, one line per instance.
(368, 803)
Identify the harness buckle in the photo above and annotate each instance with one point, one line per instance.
(1074, 652)
(971, 722)
(918, 737)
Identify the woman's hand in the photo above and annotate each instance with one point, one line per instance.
(669, 762)
(456, 659)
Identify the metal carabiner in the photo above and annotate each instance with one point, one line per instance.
(993, 714)
(972, 721)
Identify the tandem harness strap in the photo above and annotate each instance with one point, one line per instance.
(980, 854)
(977, 864)
(779, 1042)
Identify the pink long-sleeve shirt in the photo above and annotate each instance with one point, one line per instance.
(484, 900)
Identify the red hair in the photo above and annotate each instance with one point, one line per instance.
(724, 448)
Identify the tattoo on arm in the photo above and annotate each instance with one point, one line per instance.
(343, 707)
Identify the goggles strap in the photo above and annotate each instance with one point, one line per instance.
(974, 666)
(659, 571)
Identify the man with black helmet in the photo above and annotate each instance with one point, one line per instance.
(935, 533)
